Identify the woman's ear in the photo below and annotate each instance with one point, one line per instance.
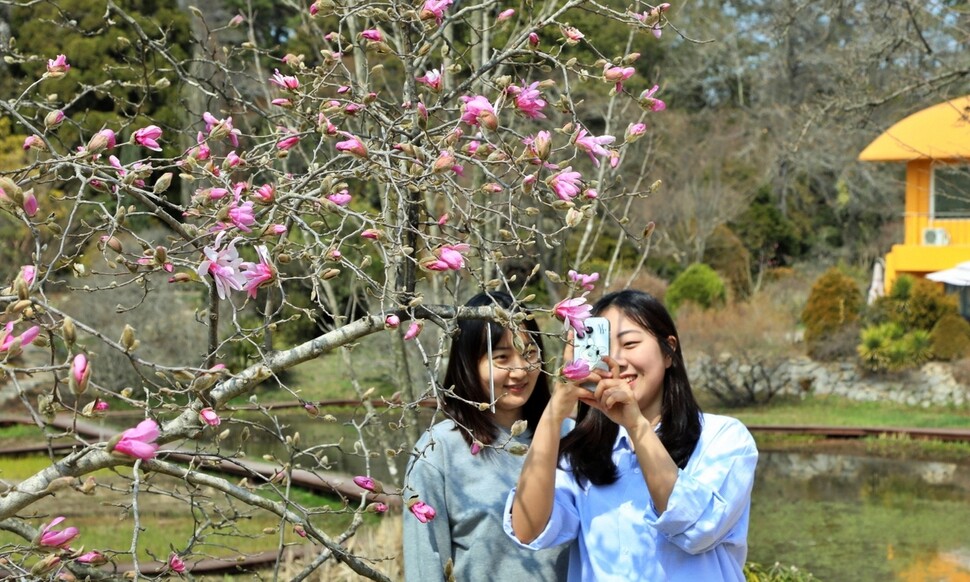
(668, 358)
(672, 342)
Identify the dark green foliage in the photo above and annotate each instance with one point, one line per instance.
(914, 303)
(950, 337)
(98, 50)
(834, 303)
(699, 284)
(768, 234)
(889, 347)
(726, 254)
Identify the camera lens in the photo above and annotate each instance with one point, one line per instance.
(589, 329)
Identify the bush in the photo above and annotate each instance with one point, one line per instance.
(889, 347)
(950, 337)
(727, 254)
(699, 284)
(776, 573)
(834, 303)
(914, 303)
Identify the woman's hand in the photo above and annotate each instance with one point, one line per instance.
(614, 396)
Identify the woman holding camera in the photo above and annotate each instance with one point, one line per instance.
(650, 487)
(465, 466)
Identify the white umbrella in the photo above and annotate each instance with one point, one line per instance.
(958, 276)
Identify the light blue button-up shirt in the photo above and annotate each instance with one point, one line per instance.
(702, 536)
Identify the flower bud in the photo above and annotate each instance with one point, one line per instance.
(162, 184)
(128, 340)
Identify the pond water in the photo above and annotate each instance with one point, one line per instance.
(862, 519)
(840, 517)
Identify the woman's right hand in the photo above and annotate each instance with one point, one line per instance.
(567, 393)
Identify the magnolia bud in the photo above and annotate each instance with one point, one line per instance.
(162, 184)
(128, 340)
(519, 426)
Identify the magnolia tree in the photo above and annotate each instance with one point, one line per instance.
(420, 153)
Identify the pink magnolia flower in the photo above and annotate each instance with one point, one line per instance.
(444, 162)
(431, 78)
(505, 15)
(443, 219)
(299, 530)
(53, 119)
(450, 257)
(233, 160)
(377, 507)
(209, 417)
(371, 233)
(80, 374)
(476, 448)
(392, 321)
(368, 483)
(571, 34)
(413, 330)
(92, 558)
(36, 142)
(288, 82)
(565, 184)
(528, 100)
(478, 111)
(277, 229)
(139, 442)
(280, 102)
(591, 193)
(314, 8)
(176, 563)
(30, 203)
(57, 67)
(651, 18)
(29, 273)
(538, 146)
(617, 75)
(236, 21)
(573, 312)
(242, 215)
(260, 273)
(533, 39)
(10, 341)
(220, 128)
(103, 140)
(352, 145)
(148, 137)
(585, 281)
(288, 142)
(202, 151)
(576, 370)
(52, 538)
(422, 511)
(648, 101)
(341, 198)
(435, 9)
(224, 265)
(100, 405)
(372, 34)
(593, 146)
(634, 131)
(265, 193)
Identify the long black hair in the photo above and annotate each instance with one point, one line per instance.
(468, 348)
(589, 446)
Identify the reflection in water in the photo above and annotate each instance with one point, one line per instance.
(859, 518)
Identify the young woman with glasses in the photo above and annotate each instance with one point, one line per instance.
(464, 467)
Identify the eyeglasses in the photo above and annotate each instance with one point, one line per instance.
(530, 357)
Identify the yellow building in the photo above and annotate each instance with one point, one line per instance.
(935, 144)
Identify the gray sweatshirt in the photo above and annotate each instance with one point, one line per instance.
(468, 494)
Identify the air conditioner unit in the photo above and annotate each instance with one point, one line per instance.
(935, 237)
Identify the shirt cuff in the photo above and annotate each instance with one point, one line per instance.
(685, 506)
(544, 538)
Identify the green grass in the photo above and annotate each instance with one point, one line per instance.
(835, 411)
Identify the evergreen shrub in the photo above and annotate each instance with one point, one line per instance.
(699, 284)
(950, 337)
(834, 303)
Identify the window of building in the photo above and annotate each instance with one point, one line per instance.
(951, 191)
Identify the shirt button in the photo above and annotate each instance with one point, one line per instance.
(637, 471)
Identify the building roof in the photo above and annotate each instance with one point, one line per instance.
(940, 132)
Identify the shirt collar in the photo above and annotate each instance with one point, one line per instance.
(623, 439)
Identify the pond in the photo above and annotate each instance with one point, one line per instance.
(863, 519)
(838, 516)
